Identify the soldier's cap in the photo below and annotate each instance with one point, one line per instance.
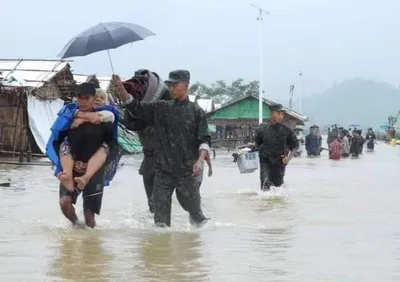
(86, 89)
(178, 76)
(276, 108)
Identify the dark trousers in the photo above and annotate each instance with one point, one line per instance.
(147, 172)
(271, 174)
(187, 193)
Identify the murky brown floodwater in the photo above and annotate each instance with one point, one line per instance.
(332, 222)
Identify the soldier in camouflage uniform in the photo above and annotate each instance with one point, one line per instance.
(182, 131)
(154, 89)
(277, 145)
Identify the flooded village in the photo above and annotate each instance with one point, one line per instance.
(179, 157)
(34, 91)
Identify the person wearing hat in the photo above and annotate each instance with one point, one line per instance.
(370, 138)
(313, 142)
(149, 89)
(85, 141)
(356, 144)
(184, 142)
(98, 159)
(278, 145)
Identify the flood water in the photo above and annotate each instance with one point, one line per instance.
(333, 221)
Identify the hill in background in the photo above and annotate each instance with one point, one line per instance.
(356, 101)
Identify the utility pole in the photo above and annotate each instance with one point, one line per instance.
(301, 92)
(260, 98)
(291, 90)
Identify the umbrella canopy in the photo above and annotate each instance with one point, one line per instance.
(104, 36)
(384, 126)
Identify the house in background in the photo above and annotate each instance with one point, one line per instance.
(31, 94)
(239, 120)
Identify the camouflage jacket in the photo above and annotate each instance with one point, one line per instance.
(180, 126)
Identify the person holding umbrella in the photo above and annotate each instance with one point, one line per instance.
(184, 142)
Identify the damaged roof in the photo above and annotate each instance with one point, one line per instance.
(29, 73)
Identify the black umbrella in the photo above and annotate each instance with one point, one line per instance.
(104, 36)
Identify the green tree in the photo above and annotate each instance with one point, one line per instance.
(392, 120)
(224, 93)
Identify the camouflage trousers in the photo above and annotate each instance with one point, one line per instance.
(187, 193)
(147, 172)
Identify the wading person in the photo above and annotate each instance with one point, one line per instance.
(345, 144)
(278, 145)
(147, 134)
(356, 144)
(84, 141)
(370, 138)
(312, 142)
(335, 148)
(97, 160)
(184, 142)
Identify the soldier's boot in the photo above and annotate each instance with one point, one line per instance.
(198, 220)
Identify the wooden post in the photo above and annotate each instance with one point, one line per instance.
(15, 126)
(21, 147)
(28, 151)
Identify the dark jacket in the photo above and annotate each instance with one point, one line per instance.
(275, 141)
(180, 127)
(313, 144)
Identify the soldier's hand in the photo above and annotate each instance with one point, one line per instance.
(285, 160)
(119, 87)
(197, 167)
(210, 171)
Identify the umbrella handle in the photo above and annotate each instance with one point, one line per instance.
(109, 58)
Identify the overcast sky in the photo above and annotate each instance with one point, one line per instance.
(218, 39)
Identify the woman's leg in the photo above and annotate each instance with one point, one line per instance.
(95, 163)
(67, 164)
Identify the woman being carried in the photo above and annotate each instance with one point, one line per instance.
(68, 163)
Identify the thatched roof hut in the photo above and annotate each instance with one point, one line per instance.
(45, 80)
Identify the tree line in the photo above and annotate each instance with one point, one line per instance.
(222, 92)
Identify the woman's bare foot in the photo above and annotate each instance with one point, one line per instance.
(81, 182)
(67, 181)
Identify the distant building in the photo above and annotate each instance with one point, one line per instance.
(239, 119)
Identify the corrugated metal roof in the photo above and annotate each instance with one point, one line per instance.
(104, 81)
(30, 73)
(292, 113)
(295, 114)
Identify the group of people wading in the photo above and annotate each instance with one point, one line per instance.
(176, 143)
(172, 129)
(341, 143)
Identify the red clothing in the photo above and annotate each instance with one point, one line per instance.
(335, 150)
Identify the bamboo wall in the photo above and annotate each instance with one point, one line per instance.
(14, 128)
(15, 134)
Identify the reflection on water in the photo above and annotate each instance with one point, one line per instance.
(81, 256)
(171, 256)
